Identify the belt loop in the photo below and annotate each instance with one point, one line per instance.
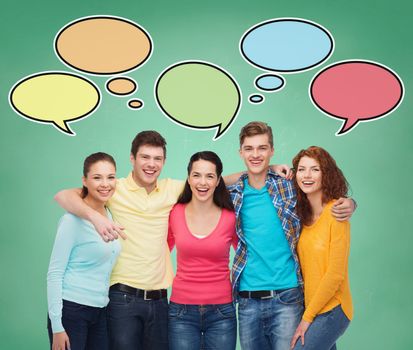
(269, 296)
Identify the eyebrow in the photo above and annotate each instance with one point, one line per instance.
(148, 155)
(264, 145)
(198, 173)
(102, 175)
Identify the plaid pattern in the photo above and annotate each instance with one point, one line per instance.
(283, 196)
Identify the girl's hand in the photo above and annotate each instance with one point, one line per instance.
(60, 341)
(299, 333)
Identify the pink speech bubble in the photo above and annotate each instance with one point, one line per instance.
(356, 91)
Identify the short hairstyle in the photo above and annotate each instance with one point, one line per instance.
(148, 137)
(92, 159)
(256, 128)
(221, 196)
(333, 183)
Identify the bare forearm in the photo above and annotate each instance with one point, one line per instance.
(231, 178)
(71, 201)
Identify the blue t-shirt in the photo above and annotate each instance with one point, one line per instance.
(270, 264)
(80, 267)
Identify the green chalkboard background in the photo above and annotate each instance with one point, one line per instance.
(37, 160)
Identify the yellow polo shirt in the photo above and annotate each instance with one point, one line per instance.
(144, 261)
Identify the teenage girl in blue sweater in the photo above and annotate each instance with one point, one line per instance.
(80, 267)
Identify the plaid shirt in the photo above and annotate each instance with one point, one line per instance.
(283, 196)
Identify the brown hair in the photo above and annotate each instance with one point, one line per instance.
(92, 159)
(148, 137)
(333, 183)
(256, 128)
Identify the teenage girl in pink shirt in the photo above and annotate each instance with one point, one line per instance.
(202, 227)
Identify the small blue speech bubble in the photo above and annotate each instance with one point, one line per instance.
(256, 98)
(287, 45)
(269, 82)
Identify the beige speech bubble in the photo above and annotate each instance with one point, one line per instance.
(103, 45)
(121, 86)
(135, 104)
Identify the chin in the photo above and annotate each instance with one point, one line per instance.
(203, 199)
(101, 199)
(257, 171)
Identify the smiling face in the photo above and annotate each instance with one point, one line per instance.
(147, 166)
(100, 181)
(309, 176)
(203, 180)
(256, 151)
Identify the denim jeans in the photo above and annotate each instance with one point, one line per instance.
(269, 324)
(135, 323)
(205, 327)
(85, 326)
(324, 331)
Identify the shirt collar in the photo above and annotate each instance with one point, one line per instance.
(239, 185)
(133, 186)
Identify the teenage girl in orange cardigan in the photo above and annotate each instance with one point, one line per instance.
(323, 250)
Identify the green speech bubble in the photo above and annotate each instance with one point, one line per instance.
(198, 95)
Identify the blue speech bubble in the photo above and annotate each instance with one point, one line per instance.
(286, 45)
(269, 82)
(256, 98)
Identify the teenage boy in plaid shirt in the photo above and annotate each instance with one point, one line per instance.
(266, 274)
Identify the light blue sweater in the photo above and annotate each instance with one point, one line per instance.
(80, 267)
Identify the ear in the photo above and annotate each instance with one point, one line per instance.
(272, 151)
(84, 181)
(219, 181)
(132, 158)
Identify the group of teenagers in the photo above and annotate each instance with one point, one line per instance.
(289, 230)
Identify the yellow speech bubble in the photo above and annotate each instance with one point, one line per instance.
(103, 45)
(54, 97)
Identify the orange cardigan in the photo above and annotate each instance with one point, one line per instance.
(323, 250)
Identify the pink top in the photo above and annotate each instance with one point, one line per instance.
(203, 275)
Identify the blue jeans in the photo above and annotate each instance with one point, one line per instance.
(85, 326)
(137, 324)
(209, 327)
(325, 330)
(269, 324)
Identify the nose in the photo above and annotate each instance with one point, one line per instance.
(307, 173)
(255, 152)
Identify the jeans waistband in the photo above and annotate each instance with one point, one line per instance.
(140, 293)
(261, 294)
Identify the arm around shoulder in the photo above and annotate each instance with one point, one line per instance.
(343, 209)
(231, 179)
(71, 201)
